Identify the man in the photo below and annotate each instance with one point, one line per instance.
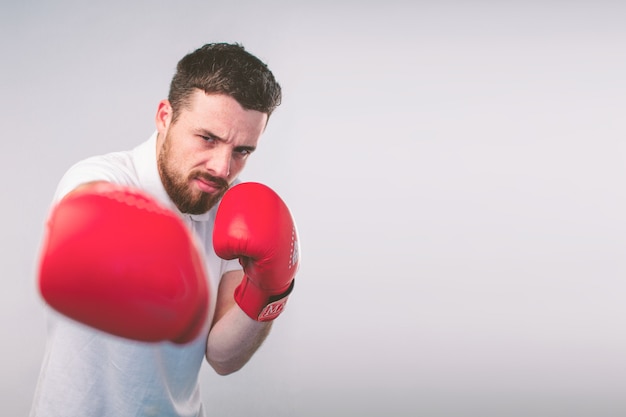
(131, 260)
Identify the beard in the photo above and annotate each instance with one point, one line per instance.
(179, 189)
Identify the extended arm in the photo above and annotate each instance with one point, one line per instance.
(115, 259)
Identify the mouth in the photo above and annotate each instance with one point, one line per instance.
(209, 186)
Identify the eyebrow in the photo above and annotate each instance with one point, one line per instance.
(204, 132)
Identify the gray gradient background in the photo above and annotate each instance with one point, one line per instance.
(457, 172)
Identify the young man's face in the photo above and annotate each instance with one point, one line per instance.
(201, 153)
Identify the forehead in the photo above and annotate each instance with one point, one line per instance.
(220, 109)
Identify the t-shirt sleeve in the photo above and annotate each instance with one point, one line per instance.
(112, 168)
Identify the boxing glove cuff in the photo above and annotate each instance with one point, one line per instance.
(257, 303)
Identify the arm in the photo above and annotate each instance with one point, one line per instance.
(234, 337)
(253, 225)
(115, 259)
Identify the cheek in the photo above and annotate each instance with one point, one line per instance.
(236, 167)
(185, 159)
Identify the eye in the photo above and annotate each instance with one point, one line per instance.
(207, 138)
(242, 154)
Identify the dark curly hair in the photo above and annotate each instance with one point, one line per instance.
(223, 68)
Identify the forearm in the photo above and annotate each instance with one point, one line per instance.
(233, 339)
(254, 225)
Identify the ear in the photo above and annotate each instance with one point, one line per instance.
(163, 116)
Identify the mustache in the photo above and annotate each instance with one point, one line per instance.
(217, 182)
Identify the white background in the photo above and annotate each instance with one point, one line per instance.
(456, 169)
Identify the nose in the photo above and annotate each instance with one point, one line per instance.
(218, 163)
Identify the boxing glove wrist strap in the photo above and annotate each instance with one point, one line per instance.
(257, 303)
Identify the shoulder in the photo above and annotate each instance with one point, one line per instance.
(116, 167)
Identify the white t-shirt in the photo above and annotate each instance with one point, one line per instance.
(86, 372)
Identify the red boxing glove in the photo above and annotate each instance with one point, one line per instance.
(116, 260)
(254, 225)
